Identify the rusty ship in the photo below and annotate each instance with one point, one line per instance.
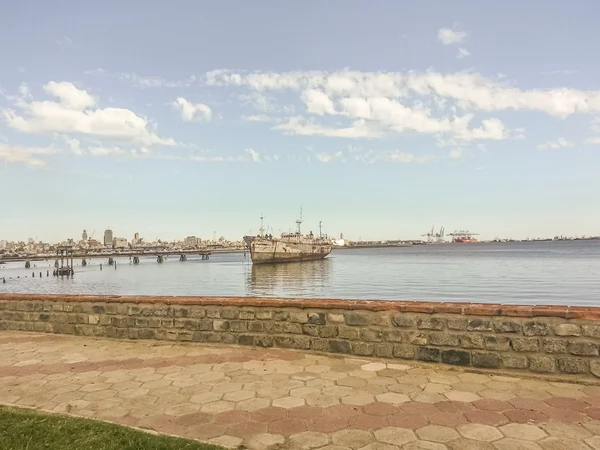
(290, 247)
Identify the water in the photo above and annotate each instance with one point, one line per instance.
(563, 272)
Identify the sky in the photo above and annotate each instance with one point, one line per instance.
(381, 119)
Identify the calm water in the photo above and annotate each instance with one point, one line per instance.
(565, 272)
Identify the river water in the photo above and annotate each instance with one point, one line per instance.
(558, 272)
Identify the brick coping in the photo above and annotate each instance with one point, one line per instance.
(459, 308)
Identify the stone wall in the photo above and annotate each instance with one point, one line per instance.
(549, 340)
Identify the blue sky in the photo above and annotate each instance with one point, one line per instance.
(379, 118)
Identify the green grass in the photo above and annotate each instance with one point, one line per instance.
(30, 430)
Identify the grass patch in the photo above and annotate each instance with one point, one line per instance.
(30, 430)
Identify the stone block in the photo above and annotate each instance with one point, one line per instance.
(371, 335)
(456, 357)
(583, 348)
(404, 351)
(542, 364)
(336, 346)
(153, 322)
(134, 311)
(184, 335)
(264, 341)
(363, 348)
(515, 361)
(228, 338)
(392, 336)
(45, 317)
(98, 309)
(197, 336)
(429, 354)
(280, 316)
(238, 326)
(554, 346)
(567, 329)
(349, 333)
(525, 344)
(403, 321)
(319, 345)
(534, 328)
(293, 328)
(499, 343)
(230, 314)
(486, 360)
(507, 326)
(480, 325)
(140, 322)
(220, 325)
(475, 341)
(384, 350)
(357, 319)
(572, 365)
(165, 323)
(264, 315)
(335, 318)
(316, 318)
(205, 325)
(444, 339)
(247, 315)
(198, 313)
(456, 323)
(417, 338)
(246, 339)
(213, 337)
(595, 368)
(299, 342)
(431, 323)
(146, 333)
(213, 314)
(328, 331)
(591, 330)
(310, 330)
(298, 317)
(256, 327)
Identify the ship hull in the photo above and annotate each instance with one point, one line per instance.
(268, 251)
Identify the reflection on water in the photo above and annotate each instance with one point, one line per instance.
(301, 277)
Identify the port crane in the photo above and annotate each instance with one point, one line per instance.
(433, 237)
(463, 236)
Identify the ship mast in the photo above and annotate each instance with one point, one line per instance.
(320, 234)
(262, 228)
(299, 221)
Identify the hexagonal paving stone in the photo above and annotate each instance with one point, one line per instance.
(380, 446)
(373, 367)
(395, 436)
(593, 442)
(217, 407)
(358, 399)
(462, 396)
(565, 430)
(523, 432)
(206, 397)
(437, 433)
(308, 440)
(322, 401)
(238, 396)
(426, 445)
(554, 443)
(252, 404)
(287, 427)
(479, 432)
(288, 402)
(515, 444)
(265, 441)
(354, 439)
(304, 392)
(392, 397)
(226, 441)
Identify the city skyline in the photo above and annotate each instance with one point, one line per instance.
(381, 120)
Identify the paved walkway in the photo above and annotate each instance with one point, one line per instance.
(288, 399)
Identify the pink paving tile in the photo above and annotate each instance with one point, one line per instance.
(247, 429)
(205, 431)
(305, 412)
(231, 417)
(564, 415)
(367, 422)
(380, 409)
(449, 406)
(412, 421)
(567, 403)
(447, 419)
(525, 416)
(342, 411)
(593, 401)
(491, 418)
(422, 408)
(489, 404)
(528, 403)
(327, 424)
(287, 427)
(192, 419)
(593, 413)
(269, 414)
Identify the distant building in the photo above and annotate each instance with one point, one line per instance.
(108, 238)
(3, 245)
(84, 236)
(136, 239)
(191, 242)
(119, 243)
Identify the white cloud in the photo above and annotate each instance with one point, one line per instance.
(65, 41)
(318, 102)
(559, 143)
(192, 112)
(398, 156)
(329, 157)
(593, 140)
(462, 53)
(144, 82)
(260, 118)
(254, 155)
(456, 153)
(449, 36)
(76, 111)
(25, 155)
(300, 126)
